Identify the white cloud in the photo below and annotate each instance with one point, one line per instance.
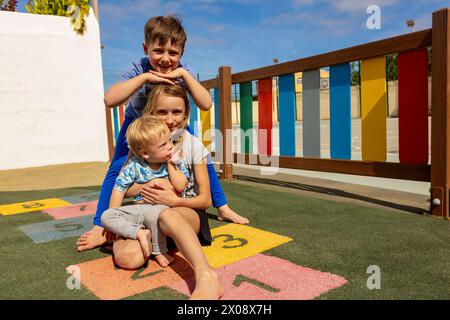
(306, 19)
(128, 8)
(360, 5)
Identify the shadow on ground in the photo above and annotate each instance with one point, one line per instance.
(333, 192)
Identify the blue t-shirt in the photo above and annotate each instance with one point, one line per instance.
(138, 100)
(138, 171)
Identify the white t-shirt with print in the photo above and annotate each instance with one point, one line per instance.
(194, 152)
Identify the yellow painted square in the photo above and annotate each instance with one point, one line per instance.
(29, 206)
(234, 242)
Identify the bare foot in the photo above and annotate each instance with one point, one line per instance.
(207, 286)
(225, 213)
(164, 259)
(144, 237)
(96, 237)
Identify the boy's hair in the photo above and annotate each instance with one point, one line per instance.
(160, 29)
(143, 130)
(171, 91)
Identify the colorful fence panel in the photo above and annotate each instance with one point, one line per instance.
(216, 117)
(265, 116)
(246, 113)
(373, 109)
(193, 116)
(311, 113)
(287, 115)
(116, 123)
(340, 112)
(413, 106)
(205, 118)
(117, 118)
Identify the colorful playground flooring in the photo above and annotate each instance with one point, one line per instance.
(237, 254)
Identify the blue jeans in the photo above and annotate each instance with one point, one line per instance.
(117, 162)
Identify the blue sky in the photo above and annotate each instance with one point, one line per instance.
(247, 34)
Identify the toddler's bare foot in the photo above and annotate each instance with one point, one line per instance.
(144, 237)
(164, 259)
(96, 237)
(207, 286)
(225, 213)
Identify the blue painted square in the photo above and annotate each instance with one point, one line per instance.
(58, 229)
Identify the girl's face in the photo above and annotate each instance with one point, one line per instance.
(171, 110)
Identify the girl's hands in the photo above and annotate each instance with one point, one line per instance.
(160, 194)
(159, 183)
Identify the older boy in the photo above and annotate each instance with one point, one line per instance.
(164, 46)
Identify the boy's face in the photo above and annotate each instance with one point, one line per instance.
(163, 58)
(160, 150)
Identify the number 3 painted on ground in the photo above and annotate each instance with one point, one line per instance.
(229, 238)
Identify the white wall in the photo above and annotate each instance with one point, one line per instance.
(51, 92)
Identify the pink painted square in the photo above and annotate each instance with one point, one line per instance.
(72, 211)
(263, 277)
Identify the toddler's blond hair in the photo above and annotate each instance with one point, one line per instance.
(144, 130)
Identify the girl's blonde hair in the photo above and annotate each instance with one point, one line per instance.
(171, 91)
(144, 130)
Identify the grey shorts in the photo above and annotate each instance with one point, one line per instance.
(126, 221)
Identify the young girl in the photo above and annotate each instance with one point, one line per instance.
(185, 221)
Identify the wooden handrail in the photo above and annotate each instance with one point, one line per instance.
(410, 41)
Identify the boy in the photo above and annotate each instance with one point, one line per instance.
(153, 159)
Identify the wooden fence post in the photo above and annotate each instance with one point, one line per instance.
(109, 133)
(224, 84)
(440, 140)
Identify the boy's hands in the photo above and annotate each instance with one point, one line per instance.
(172, 75)
(153, 77)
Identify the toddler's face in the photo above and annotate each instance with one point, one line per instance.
(160, 150)
(164, 58)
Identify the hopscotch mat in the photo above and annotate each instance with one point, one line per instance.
(235, 253)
